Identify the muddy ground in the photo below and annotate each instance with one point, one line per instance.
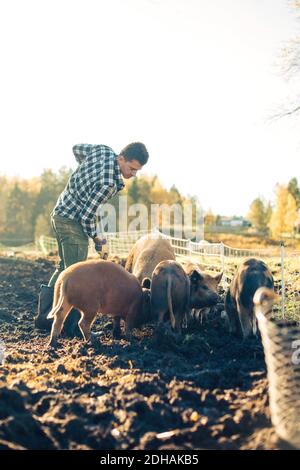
(205, 390)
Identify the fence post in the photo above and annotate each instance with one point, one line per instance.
(189, 247)
(42, 244)
(282, 255)
(222, 256)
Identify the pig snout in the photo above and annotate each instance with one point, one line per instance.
(212, 299)
(201, 294)
(207, 298)
(201, 298)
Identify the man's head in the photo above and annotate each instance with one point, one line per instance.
(132, 158)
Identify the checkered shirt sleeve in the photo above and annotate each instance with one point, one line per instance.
(81, 151)
(96, 179)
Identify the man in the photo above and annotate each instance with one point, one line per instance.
(98, 178)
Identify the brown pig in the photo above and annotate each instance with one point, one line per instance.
(203, 287)
(145, 255)
(170, 293)
(210, 281)
(250, 276)
(97, 286)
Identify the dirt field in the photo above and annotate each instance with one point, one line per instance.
(206, 390)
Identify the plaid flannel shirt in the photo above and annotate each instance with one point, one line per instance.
(97, 179)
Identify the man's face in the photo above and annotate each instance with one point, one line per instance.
(129, 168)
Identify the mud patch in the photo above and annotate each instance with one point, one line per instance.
(205, 390)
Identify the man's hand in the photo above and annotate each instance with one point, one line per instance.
(99, 242)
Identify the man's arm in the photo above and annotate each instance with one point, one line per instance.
(99, 195)
(81, 151)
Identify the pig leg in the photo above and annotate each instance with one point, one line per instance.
(161, 325)
(224, 316)
(164, 326)
(203, 314)
(185, 321)
(178, 323)
(85, 324)
(131, 322)
(128, 330)
(169, 298)
(232, 315)
(58, 322)
(161, 316)
(196, 315)
(245, 322)
(159, 310)
(116, 328)
(179, 316)
(232, 322)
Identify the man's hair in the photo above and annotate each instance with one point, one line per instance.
(135, 151)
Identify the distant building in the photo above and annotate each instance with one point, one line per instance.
(234, 222)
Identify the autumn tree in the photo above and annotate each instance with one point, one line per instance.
(294, 189)
(260, 214)
(284, 214)
(133, 191)
(51, 185)
(3, 201)
(26, 205)
(42, 224)
(209, 218)
(175, 196)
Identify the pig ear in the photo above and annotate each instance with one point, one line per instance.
(218, 277)
(195, 276)
(146, 283)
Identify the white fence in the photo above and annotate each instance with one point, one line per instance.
(210, 255)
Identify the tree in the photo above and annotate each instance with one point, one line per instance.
(63, 176)
(294, 190)
(218, 220)
(3, 201)
(18, 213)
(291, 213)
(25, 205)
(175, 196)
(158, 194)
(209, 218)
(51, 185)
(133, 191)
(42, 224)
(285, 214)
(290, 66)
(260, 214)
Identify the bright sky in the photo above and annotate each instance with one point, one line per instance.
(195, 80)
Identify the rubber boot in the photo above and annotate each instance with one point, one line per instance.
(44, 306)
